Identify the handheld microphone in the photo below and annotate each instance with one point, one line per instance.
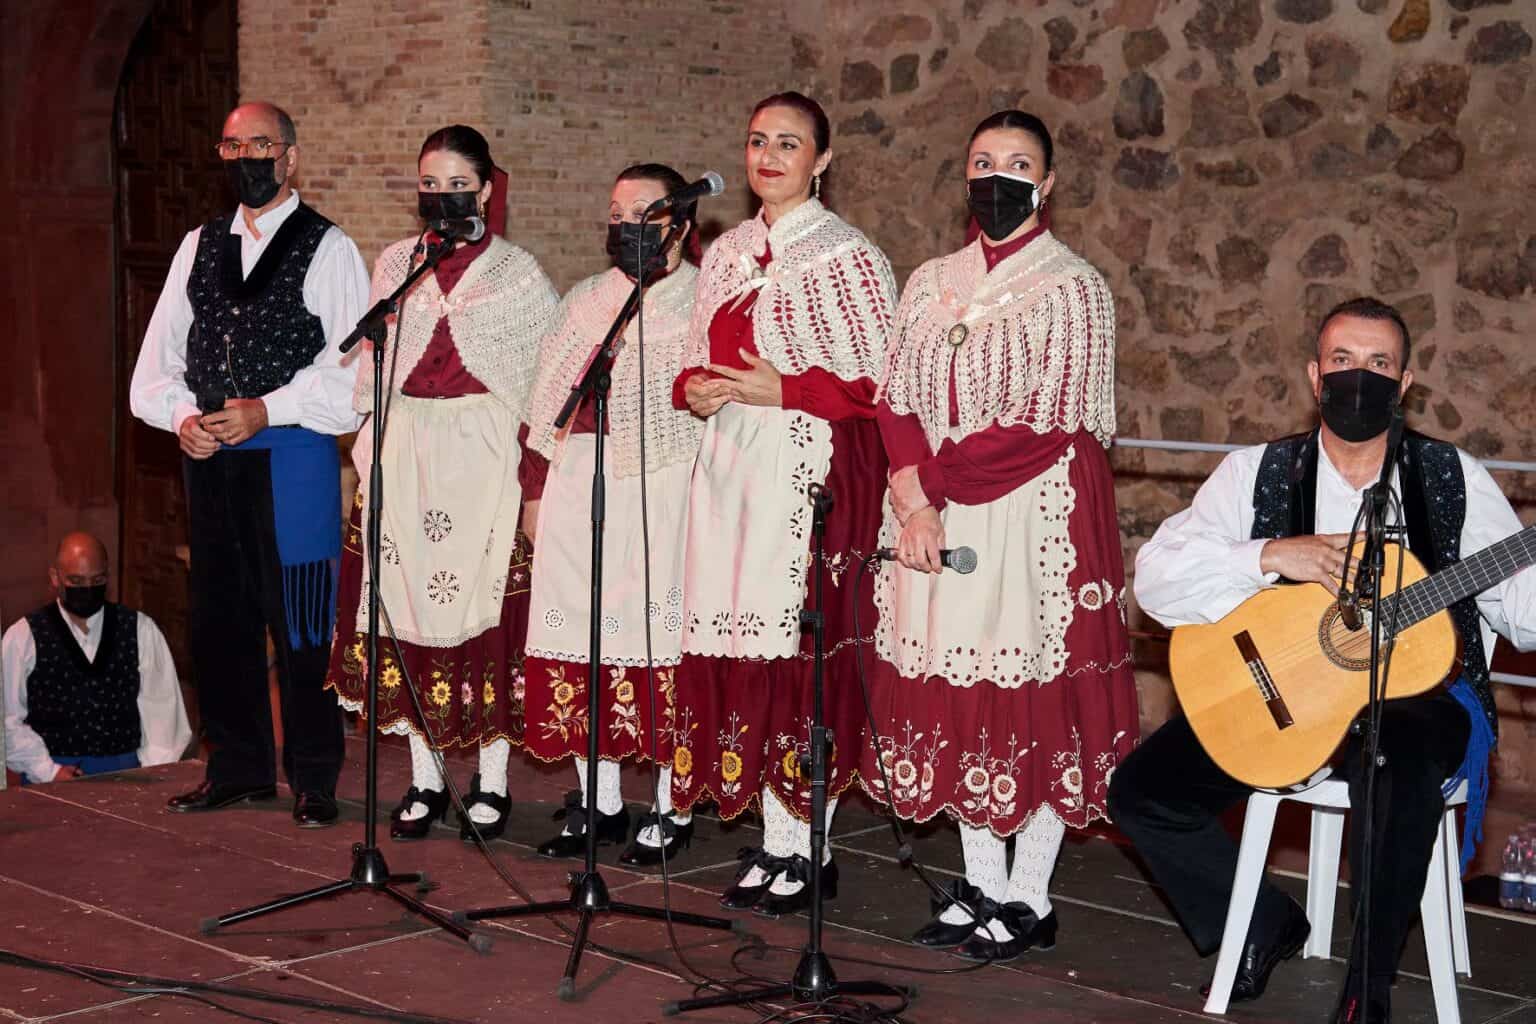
(470, 229)
(709, 185)
(962, 560)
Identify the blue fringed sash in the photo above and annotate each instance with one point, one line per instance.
(306, 516)
(1474, 768)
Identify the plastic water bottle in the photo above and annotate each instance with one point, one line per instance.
(1512, 875)
(1528, 869)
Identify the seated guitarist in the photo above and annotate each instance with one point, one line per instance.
(1283, 511)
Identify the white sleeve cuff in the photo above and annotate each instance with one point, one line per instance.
(181, 414)
(282, 407)
(1245, 560)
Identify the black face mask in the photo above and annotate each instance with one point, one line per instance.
(1357, 404)
(84, 601)
(628, 245)
(254, 181)
(1000, 203)
(431, 206)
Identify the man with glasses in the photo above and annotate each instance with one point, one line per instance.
(240, 362)
(89, 685)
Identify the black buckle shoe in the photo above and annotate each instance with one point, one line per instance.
(572, 841)
(940, 934)
(1262, 955)
(1027, 931)
(798, 868)
(742, 897)
(673, 837)
(502, 805)
(213, 796)
(315, 810)
(417, 828)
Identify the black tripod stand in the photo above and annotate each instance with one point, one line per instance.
(369, 872)
(814, 980)
(589, 893)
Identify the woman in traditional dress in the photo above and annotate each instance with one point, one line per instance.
(453, 581)
(557, 484)
(786, 345)
(1005, 697)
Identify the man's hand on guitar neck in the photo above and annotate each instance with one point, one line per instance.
(1314, 559)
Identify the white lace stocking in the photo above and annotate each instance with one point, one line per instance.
(493, 779)
(1035, 850)
(425, 774)
(801, 844)
(986, 867)
(610, 798)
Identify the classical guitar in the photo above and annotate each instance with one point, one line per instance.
(1272, 688)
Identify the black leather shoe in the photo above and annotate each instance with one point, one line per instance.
(502, 805)
(417, 828)
(674, 836)
(572, 841)
(1262, 954)
(799, 868)
(940, 934)
(212, 796)
(315, 810)
(1028, 931)
(743, 897)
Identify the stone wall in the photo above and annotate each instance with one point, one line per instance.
(1234, 167)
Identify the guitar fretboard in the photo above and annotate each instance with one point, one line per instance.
(1471, 575)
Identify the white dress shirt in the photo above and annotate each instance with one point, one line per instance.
(163, 729)
(320, 395)
(1201, 563)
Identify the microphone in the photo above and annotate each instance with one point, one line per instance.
(470, 229)
(962, 560)
(709, 185)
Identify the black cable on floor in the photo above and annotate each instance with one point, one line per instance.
(148, 985)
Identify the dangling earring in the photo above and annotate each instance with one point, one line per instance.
(816, 187)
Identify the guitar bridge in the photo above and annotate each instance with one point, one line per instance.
(1263, 680)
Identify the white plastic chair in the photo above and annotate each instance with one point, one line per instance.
(1444, 916)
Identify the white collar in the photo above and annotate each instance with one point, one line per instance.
(267, 222)
(92, 624)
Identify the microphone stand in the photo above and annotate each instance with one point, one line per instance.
(589, 893)
(1371, 573)
(369, 871)
(814, 981)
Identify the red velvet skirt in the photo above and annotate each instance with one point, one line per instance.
(472, 694)
(991, 755)
(741, 725)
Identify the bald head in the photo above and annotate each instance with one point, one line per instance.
(260, 118)
(80, 554)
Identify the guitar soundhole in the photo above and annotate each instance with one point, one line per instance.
(1346, 648)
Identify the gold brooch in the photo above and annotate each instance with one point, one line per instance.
(957, 335)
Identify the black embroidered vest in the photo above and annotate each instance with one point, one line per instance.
(1434, 496)
(250, 335)
(82, 708)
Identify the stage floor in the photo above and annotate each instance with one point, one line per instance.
(97, 872)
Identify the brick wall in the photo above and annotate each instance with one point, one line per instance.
(567, 94)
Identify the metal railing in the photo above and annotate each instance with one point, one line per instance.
(1155, 444)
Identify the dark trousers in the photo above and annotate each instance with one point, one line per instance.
(236, 600)
(1168, 797)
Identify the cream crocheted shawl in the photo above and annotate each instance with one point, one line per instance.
(497, 313)
(825, 300)
(1036, 343)
(585, 315)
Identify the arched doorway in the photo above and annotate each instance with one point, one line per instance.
(179, 81)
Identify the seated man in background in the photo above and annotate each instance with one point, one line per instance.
(89, 686)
